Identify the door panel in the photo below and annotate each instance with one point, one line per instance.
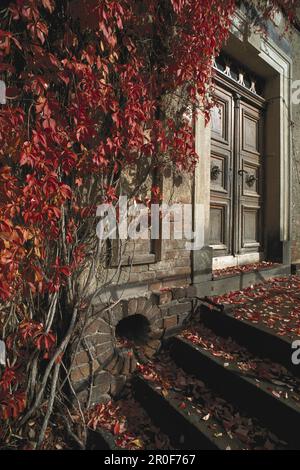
(219, 233)
(250, 140)
(221, 169)
(250, 227)
(221, 116)
(250, 179)
(236, 176)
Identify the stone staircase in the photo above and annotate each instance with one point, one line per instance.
(270, 407)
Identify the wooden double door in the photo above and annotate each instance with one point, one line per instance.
(236, 177)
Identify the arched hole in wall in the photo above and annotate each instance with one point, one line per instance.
(135, 328)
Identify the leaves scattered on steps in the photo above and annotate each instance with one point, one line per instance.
(129, 423)
(194, 396)
(247, 268)
(281, 382)
(274, 303)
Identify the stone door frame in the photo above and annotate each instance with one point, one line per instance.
(267, 59)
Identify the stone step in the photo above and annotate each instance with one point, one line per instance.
(185, 429)
(136, 429)
(256, 337)
(100, 439)
(295, 267)
(278, 414)
(235, 282)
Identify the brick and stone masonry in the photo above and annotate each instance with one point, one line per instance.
(100, 364)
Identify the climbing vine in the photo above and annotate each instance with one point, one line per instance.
(91, 87)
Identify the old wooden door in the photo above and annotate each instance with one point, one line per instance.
(236, 177)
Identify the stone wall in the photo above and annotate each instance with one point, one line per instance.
(161, 290)
(171, 263)
(157, 286)
(101, 364)
(295, 155)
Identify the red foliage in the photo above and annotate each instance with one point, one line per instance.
(129, 424)
(64, 82)
(85, 95)
(12, 397)
(247, 268)
(86, 80)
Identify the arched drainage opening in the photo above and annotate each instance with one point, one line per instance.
(134, 329)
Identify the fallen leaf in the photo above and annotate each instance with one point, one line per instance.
(206, 417)
(137, 443)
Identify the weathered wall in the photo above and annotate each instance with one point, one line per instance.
(160, 291)
(295, 155)
(102, 362)
(170, 265)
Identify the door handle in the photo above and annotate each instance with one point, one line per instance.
(250, 180)
(215, 171)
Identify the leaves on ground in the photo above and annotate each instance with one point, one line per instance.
(246, 268)
(274, 303)
(129, 423)
(277, 379)
(195, 398)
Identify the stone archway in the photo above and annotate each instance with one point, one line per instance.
(133, 330)
(103, 362)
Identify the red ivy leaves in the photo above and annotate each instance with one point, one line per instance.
(85, 105)
(31, 334)
(45, 342)
(12, 399)
(49, 5)
(12, 405)
(9, 377)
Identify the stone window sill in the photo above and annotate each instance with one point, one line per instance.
(148, 258)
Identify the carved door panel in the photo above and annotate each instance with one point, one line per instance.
(250, 180)
(221, 173)
(236, 176)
